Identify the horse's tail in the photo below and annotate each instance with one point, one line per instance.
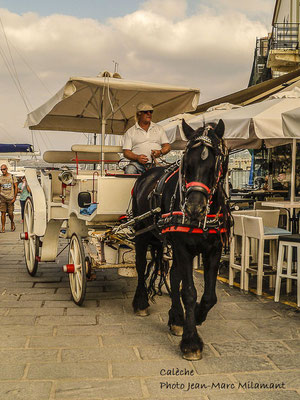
(157, 270)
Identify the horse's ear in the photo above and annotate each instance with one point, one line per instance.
(188, 131)
(219, 129)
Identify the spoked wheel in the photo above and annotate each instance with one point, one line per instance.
(78, 277)
(31, 244)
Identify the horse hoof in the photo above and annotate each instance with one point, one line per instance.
(176, 330)
(143, 313)
(192, 356)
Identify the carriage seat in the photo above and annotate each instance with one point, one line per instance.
(56, 187)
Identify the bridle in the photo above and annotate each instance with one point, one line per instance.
(221, 155)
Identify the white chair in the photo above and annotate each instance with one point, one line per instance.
(254, 229)
(236, 256)
(288, 242)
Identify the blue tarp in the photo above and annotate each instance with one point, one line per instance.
(16, 148)
(88, 210)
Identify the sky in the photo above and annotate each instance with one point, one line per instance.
(196, 43)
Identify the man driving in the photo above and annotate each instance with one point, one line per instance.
(144, 142)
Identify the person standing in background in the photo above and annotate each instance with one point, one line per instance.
(25, 192)
(8, 194)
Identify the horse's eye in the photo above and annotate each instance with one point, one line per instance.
(204, 153)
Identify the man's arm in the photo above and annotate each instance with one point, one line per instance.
(141, 158)
(165, 148)
(16, 192)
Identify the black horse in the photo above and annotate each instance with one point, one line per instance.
(195, 218)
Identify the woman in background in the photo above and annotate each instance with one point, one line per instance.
(25, 192)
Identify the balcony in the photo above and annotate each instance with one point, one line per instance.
(284, 53)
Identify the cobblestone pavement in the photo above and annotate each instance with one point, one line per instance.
(52, 349)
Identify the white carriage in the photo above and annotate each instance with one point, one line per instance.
(84, 207)
(105, 104)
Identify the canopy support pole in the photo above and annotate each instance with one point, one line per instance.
(293, 175)
(102, 145)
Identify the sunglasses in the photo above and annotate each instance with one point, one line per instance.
(3, 169)
(146, 112)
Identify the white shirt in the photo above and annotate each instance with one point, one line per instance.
(140, 141)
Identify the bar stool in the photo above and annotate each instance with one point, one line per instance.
(236, 256)
(254, 229)
(288, 242)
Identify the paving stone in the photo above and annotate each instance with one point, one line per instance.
(68, 370)
(7, 342)
(11, 320)
(293, 344)
(26, 330)
(90, 330)
(166, 352)
(250, 347)
(50, 285)
(274, 332)
(136, 340)
(25, 390)
(114, 354)
(11, 371)
(20, 304)
(145, 326)
(16, 285)
(31, 290)
(69, 304)
(231, 364)
(109, 389)
(36, 311)
(46, 297)
(64, 342)
(286, 361)
(65, 320)
(28, 355)
(249, 314)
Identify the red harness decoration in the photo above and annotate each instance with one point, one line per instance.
(178, 226)
(198, 184)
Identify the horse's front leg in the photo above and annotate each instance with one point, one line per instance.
(211, 263)
(176, 314)
(191, 344)
(140, 301)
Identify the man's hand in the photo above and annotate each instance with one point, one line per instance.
(13, 200)
(142, 159)
(155, 153)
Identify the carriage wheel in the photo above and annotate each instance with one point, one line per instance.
(78, 278)
(31, 245)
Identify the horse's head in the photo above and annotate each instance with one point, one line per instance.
(201, 167)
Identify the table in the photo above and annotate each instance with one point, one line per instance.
(261, 194)
(291, 207)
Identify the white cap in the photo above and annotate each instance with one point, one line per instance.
(144, 107)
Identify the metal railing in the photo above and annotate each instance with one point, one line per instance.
(285, 37)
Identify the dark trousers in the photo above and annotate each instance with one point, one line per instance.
(22, 202)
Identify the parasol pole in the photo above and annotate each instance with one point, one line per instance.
(293, 174)
(102, 144)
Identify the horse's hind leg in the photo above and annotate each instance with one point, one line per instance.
(211, 263)
(176, 314)
(140, 301)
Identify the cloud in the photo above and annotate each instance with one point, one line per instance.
(210, 49)
(170, 9)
